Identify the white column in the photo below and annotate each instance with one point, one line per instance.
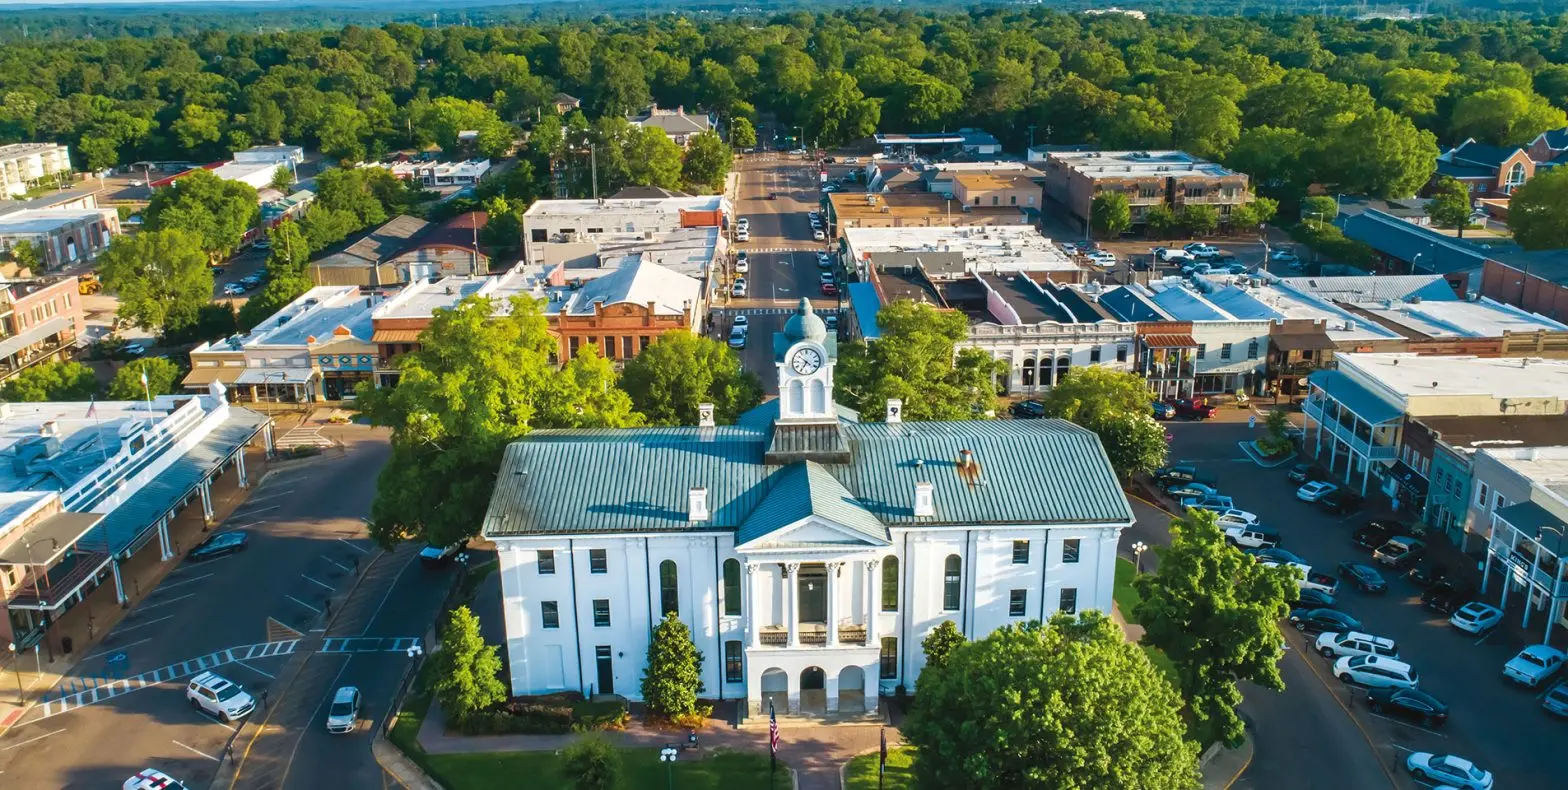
(165, 552)
(119, 586)
(873, 602)
(792, 604)
(830, 688)
(206, 500)
(239, 459)
(753, 612)
(833, 571)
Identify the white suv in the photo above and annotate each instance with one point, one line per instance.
(219, 697)
(1355, 643)
(1376, 672)
(152, 779)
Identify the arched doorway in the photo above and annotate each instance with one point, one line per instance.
(775, 689)
(851, 690)
(813, 690)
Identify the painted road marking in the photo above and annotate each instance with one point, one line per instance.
(196, 750)
(341, 566)
(117, 649)
(32, 740)
(252, 513)
(256, 499)
(318, 582)
(359, 549)
(144, 607)
(257, 671)
(123, 629)
(1406, 723)
(368, 644)
(167, 586)
(302, 603)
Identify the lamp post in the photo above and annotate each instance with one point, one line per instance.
(1137, 553)
(667, 756)
(16, 666)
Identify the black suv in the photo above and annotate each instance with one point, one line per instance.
(1340, 502)
(1373, 534)
(1028, 409)
(1447, 595)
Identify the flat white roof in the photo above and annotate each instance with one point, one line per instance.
(421, 299)
(984, 247)
(1341, 325)
(1135, 164)
(575, 208)
(1415, 376)
(236, 171)
(44, 220)
(1481, 318)
(85, 440)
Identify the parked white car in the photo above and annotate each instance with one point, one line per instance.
(1533, 665)
(1448, 769)
(1376, 672)
(742, 265)
(343, 716)
(1233, 517)
(818, 235)
(1314, 491)
(1355, 643)
(1251, 536)
(1476, 617)
(152, 779)
(743, 233)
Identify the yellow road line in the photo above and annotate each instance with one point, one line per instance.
(1341, 703)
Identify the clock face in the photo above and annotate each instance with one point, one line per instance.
(806, 361)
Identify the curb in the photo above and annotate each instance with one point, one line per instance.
(399, 766)
(296, 665)
(1248, 749)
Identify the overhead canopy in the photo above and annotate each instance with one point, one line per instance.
(1529, 518)
(1370, 408)
(49, 539)
(1170, 341)
(1302, 341)
(276, 376)
(396, 336)
(36, 334)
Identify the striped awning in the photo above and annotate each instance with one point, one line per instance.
(396, 336)
(1169, 341)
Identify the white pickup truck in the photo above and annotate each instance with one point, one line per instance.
(1251, 537)
(1310, 579)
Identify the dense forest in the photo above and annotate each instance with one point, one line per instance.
(1291, 100)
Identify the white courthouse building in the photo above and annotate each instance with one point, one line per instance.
(808, 552)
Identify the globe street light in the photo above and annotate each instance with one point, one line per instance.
(1137, 553)
(667, 756)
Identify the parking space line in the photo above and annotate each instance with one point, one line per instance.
(1486, 636)
(167, 586)
(123, 629)
(318, 582)
(256, 499)
(117, 649)
(359, 549)
(302, 603)
(1406, 724)
(257, 671)
(33, 739)
(144, 607)
(252, 513)
(196, 750)
(341, 566)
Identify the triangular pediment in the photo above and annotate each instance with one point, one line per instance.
(810, 533)
(808, 507)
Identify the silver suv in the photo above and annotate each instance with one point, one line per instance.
(1355, 643)
(219, 697)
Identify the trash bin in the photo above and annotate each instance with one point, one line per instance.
(65, 645)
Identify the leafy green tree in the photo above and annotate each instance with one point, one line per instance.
(443, 119)
(1450, 204)
(51, 381)
(586, 394)
(707, 163)
(742, 133)
(1504, 116)
(98, 153)
(1381, 154)
(1111, 214)
(163, 378)
(197, 127)
(939, 644)
(467, 669)
(837, 112)
(353, 190)
(673, 676)
(503, 230)
(1414, 92)
(324, 227)
(282, 179)
(1115, 405)
(290, 249)
(1538, 211)
(1198, 219)
(917, 360)
(1321, 208)
(679, 370)
(160, 276)
(1208, 126)
(1068, 705)
(1160, 220)
(652, 158)
(592, 763)
(1215, 613)
(1274, 157)
(27, 255)
(217, 211)
(1275, 440)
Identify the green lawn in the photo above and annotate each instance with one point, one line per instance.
(1127, 597)
(641, 770)
(862, 771)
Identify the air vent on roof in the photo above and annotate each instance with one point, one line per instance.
(697, 504)
(925, 500)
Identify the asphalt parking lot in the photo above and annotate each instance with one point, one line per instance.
(1495, 723)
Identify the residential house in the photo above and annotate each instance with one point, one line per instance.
(565, 103)
(807, 552)
(679, 125)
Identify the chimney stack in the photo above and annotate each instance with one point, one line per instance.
(705, 415)
(925, 500)
(895, 410)
(697, 504)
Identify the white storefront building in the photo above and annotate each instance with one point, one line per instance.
(808, 552)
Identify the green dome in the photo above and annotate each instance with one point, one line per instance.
(805, 325)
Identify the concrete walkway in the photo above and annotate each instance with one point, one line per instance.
(815, 752)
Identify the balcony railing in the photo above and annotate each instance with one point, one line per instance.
(57, 582)
(1213, 200)
(811, 635)
(1358, 442)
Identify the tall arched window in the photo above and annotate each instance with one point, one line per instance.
(952, 583)
(669, 588)
(1028, 373)
(732, 587)
(795, 404)
(890, 584)
(1515, 177)
(1062, 364)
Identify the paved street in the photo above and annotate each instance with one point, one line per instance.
(1304, 735)
(306, 543)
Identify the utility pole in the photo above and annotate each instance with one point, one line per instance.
(593, 164)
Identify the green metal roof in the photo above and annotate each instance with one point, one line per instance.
(806, 489)
(636, 480)
(1358, 399)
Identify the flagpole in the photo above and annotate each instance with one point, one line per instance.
(92, 411)
(147, 393)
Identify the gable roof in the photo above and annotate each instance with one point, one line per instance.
(1034, 472)
(379, 244)
(1556, 139)
(1471, 152)
(806, 489)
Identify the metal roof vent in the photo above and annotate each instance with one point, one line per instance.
(968, 468)
(925, 500)
(697, 504)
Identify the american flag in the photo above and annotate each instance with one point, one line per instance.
(773, 729)
(92, 407)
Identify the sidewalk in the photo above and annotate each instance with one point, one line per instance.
(89, 624)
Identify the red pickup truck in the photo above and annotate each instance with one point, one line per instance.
(1193, 408)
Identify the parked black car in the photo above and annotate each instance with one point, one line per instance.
(221, 544)
(1447, 595)
(1178, 473)
(1412, 704)
(1028, 409)
(1301, 473)
(1341, 502)
(1276, 554)
(1314, 599)
(1427, 572)
(1375, 533)
(1363, 576)
(1316, 620)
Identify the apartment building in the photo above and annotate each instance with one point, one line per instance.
(1148, 178)
(25, 165)
(553, 229)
